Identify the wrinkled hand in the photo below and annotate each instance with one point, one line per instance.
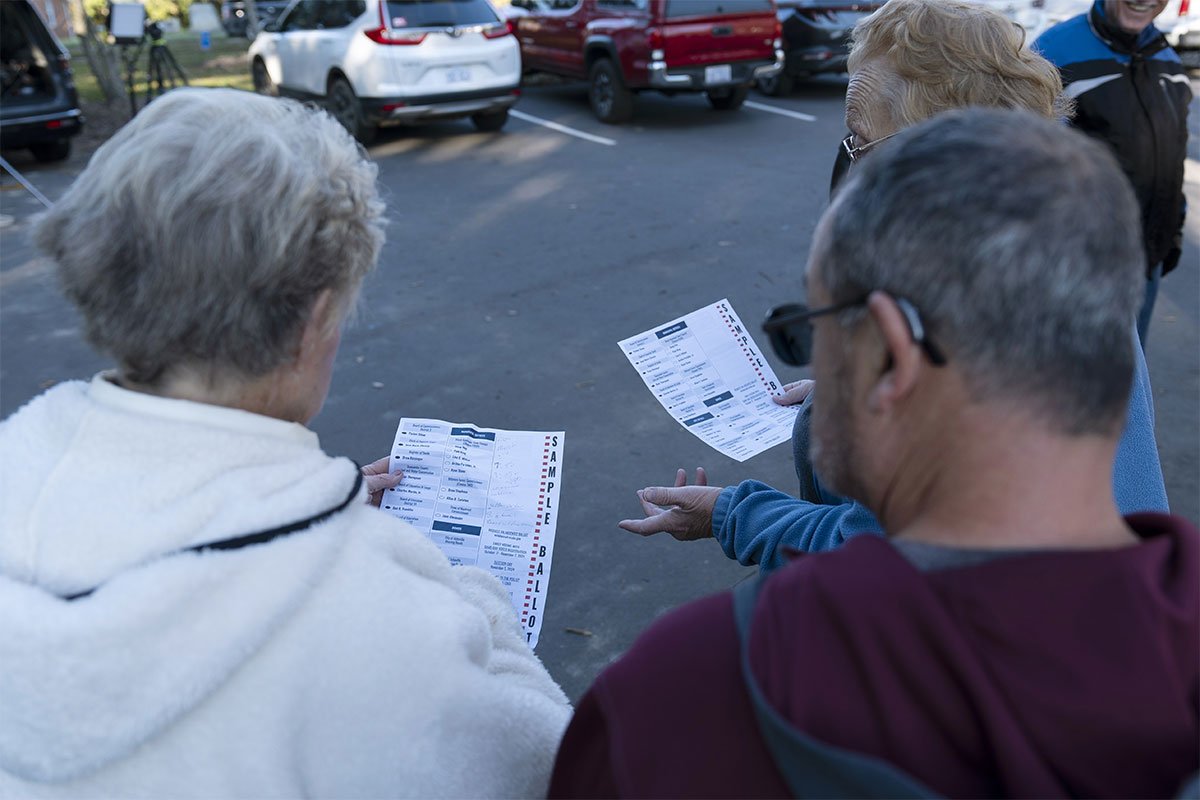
(683, 511)
(378, 479)
(794, 393)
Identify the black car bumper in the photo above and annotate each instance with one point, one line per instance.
(26, 130)
(816, 58)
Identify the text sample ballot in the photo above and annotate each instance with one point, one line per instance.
(709, 375)
(487, 498)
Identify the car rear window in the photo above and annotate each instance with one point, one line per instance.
(717, 8)
(439, 13)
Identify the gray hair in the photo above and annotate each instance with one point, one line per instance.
(200, 235)
(1018, 240)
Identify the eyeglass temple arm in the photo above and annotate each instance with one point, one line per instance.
(918, 332)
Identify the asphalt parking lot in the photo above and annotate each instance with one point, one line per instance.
(516, 261)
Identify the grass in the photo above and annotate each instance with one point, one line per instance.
(223, 64)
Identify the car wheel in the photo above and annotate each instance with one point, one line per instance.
(777, 85)
(728, 99)
(262, 79)
(492, 122)
(57, 150)
(611, 101)
(343, 105)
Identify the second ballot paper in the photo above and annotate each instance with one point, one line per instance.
(709, 374)
(487, 498)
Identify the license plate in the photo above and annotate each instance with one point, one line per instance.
(720, 73)
(458, 75)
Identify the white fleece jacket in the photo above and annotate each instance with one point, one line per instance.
(346, 660)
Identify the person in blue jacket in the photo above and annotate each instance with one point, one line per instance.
(1131, 93)
(895, 82)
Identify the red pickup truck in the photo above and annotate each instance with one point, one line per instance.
(622, 47)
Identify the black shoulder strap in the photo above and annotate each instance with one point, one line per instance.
(810, 768)
(262, 537)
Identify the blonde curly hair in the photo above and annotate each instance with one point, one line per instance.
(953, 54)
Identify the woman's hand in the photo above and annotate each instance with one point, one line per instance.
(378, 479)
(794, 393)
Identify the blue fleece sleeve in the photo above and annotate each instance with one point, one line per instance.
(1137, 472)
(754, 523)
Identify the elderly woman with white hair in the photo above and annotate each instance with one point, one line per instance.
(195, 599)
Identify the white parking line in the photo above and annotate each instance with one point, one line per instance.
(554, 126)
(782, 111)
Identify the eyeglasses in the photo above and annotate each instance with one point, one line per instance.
(790, 330)
(855, 153)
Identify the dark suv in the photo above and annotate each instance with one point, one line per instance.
(235, 21)
(39, 108)
(816, 38)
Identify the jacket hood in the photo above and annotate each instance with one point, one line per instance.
(1043, 674)
(99, 489)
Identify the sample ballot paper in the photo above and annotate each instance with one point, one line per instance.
(487, 498)
(709, 375)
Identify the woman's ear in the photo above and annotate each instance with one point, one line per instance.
(903, 356)
(322, 320)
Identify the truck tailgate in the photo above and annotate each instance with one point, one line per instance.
(718, 38)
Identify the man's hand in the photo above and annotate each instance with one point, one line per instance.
(683, 511)
(378, 479)
(794, 393)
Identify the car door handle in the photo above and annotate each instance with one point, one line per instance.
(722, 30)
(572, 25)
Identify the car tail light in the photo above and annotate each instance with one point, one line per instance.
(385, 35)
(54, 124)
(1184, 5)
(497, 30)
(389, 36)
(654, 37)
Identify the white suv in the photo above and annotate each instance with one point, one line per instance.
(1181, 23)
(389, 62)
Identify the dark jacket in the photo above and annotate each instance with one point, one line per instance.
(1132, 93)
(1048, 674)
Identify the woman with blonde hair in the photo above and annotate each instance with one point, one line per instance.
(913, 59)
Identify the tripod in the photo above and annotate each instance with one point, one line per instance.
(163, 72)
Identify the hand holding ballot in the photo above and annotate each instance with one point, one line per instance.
(794, 393)
(379, 479)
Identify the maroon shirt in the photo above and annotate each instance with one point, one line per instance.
(1049, 674)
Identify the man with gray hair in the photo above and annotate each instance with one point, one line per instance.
(1014, 635)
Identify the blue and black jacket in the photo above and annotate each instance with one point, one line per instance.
(1132, 93)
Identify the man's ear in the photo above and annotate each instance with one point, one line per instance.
(903, 364)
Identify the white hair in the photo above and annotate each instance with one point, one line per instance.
(200, 234)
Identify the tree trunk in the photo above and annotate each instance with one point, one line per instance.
(102, 58)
